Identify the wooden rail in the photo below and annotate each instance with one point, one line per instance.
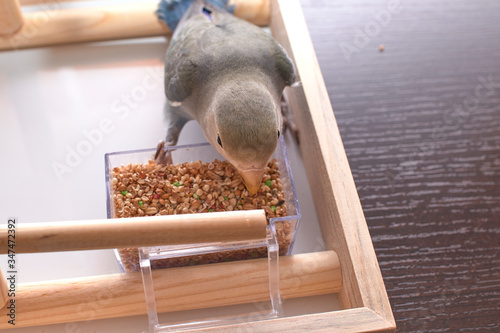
(195, 287)
(62, 26)
(11, 17)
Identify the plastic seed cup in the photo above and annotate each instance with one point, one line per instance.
(286, 226)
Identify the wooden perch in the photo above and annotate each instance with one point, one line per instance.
(11, 17)
(4, 290)
(177, 289)
(137, 231)
(63, 26)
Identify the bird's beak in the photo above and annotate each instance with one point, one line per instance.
(252, 179)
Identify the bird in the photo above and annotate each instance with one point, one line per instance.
(228, 75)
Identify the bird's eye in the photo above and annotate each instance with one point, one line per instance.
(219, 141)
(278, 134)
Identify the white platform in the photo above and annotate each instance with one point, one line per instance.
(61, 110)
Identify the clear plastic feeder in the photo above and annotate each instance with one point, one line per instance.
(286, 226)
(211, 315)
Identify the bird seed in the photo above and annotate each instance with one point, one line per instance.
(151, 189)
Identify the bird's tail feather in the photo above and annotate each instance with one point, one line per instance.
(171, 11)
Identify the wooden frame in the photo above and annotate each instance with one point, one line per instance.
(363, 297)
(338, 207)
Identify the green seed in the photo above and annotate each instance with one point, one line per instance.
(226, 198)
(268, 183)
(140, 203)
(196, 196)
(124, 193)
(210, 210)
(177, 184)
(273, 208)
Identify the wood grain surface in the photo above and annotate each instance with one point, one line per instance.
(415, 88)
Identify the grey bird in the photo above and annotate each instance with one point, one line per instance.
(229, 76)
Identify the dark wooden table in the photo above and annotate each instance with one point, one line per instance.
(415, 87)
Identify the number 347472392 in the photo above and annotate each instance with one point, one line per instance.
(11, 237)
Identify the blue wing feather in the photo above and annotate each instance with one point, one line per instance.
(171, 11)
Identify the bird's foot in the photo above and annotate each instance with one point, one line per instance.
(162, 156)
(288, 121)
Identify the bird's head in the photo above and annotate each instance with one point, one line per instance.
(246, 128)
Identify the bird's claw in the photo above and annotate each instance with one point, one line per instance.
(162, 156)
(288, 122)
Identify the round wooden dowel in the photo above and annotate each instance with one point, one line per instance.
(106, 22)
(137, 231)
(4, 290)
(11, 17)
(256, 11)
